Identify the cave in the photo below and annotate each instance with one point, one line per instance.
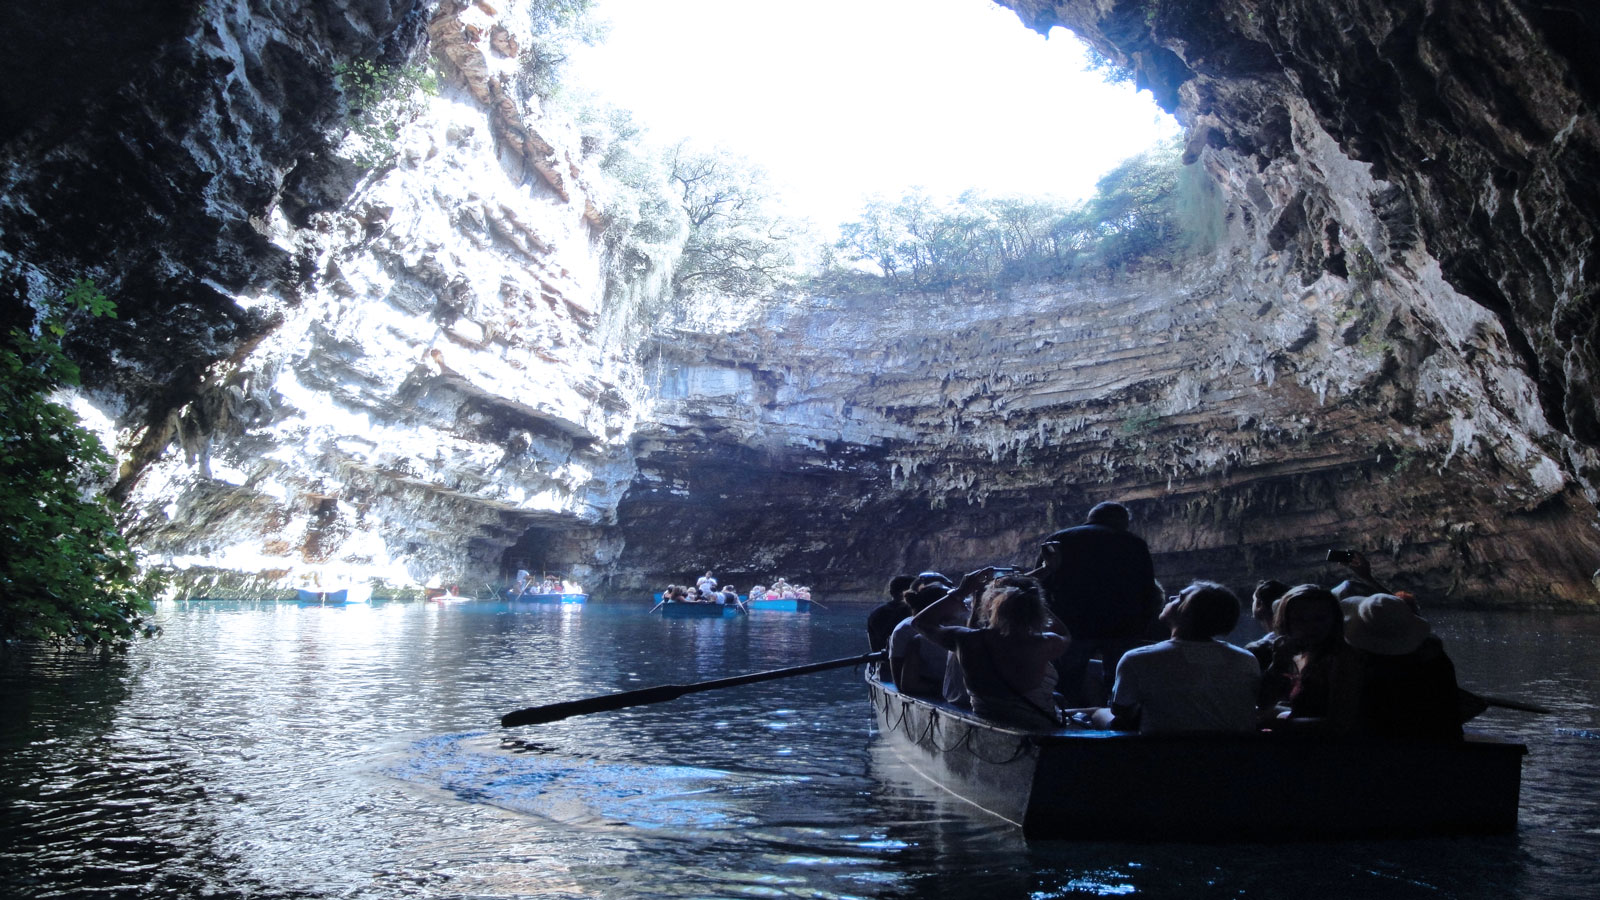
(1392, 347)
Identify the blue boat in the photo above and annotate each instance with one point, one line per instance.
(547, 598)
(356, 593)
(790, 604)
(700, 611)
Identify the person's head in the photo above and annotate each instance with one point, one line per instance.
(926, 578)
(899, 585)
(1384, 624)
(925, 596)
(1111, 515)
(1202, 611)
(1311, 614)
(1266, 594)
(759, 590)
(1014, 605)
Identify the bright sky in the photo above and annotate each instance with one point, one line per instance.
(841, 99)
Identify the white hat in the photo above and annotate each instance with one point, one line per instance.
(1383, 624)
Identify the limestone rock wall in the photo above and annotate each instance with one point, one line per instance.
(321, 372)
(412, 374)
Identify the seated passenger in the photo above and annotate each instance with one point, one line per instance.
(916, 663)
(1262, 603)
(1005, 663)
(1196, 681)
(884, 617)
(1404, 684)
(1308, 654)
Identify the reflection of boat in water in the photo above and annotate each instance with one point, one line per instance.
(700, 611)
(1105, 785)
(547, 598)
(355, 593)
(780, 604)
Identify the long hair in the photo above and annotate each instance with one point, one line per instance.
(1311, 595)
(1014, 605)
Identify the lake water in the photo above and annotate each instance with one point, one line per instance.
(269, 750)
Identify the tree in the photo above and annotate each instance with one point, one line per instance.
(1134, 207)
(736, 243)
(66, 572)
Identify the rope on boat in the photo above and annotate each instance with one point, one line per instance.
(1023, 745)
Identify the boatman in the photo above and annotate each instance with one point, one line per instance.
(1102, 586)
(706, 584)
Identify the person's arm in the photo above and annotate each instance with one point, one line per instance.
(1116, 718)
(1123, 713)
(1049, 560)
(1363, 569)
(930, 622)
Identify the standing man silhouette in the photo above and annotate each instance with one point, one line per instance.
(1102, 586)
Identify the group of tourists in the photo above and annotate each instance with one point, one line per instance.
(527, 585)
(1017, 647)
(707, 590)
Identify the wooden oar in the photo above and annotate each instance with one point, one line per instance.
(657, 606)
(1505, 703)
(815, 603)
(552, 712)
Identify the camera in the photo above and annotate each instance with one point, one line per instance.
(1340, 556)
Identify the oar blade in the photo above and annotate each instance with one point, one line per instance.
(554, 712)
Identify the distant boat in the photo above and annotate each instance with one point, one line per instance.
(446, 597)
(780, 604)
(700, 611)
(547, 598)
(355, 593)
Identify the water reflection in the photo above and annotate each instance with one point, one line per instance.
(269, 750)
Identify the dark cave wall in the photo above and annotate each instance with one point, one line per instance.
(144, 144)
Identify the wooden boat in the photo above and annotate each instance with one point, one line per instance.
(699, 611)
(790, 604)
(355, 593)
(1104, 785)
(548, 598)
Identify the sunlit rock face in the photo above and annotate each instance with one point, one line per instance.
(322, 372)
(412, 374)
(1250, 421)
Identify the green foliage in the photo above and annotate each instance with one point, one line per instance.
(382, 100)
(645, 226)
(66, 573)
(1150, 210)
(554, 27)
(1109, 70)
(736, 243)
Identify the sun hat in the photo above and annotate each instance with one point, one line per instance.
(1383, 624)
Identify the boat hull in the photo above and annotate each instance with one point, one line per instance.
(699, 611)
(354, 594)
(780, 605)
(1101, 785)
(550, 598)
